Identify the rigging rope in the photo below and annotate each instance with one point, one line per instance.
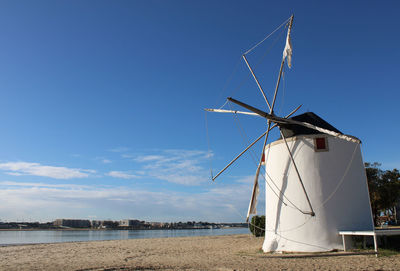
(342, 179)
(270, 230)
(244, 79)
(294, 206)
(255, 46)
(253, 155)
(228, 81)
(223, 104)
(269, 48)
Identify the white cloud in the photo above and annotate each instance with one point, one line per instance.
(147, 158)
(36, 169)
(176, 166)
(103, 160)
(28, 184)
(216, 202)
(181, 179)
(122, 174)
(249, 180)
(119, 149)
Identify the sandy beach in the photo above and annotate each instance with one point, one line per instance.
(229, 252)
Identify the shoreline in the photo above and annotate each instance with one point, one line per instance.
(92, 241)
(223, 252)
(31, 237)
(90, 229)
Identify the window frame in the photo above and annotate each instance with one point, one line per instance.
(326, 144)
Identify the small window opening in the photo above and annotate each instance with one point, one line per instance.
(321, 144)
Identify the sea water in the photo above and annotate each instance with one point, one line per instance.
(18, 237)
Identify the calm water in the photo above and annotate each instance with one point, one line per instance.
(49, 236)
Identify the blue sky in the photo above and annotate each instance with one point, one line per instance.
(101, 102)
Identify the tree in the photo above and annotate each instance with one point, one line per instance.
(384, 189)
(390, 191)
(257, 225)
(373, 177)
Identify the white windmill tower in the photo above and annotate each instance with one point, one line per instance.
(315, 178)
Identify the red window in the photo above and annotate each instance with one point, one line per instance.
(321, 144)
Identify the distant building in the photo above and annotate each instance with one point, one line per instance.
(130, 223)
(72, 223)
(104, 224)
(96, 223)
(156, 224)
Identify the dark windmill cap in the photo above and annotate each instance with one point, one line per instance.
(290, 130)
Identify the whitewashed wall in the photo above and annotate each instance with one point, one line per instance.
(338, 193)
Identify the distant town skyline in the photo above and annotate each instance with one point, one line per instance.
(101, 104)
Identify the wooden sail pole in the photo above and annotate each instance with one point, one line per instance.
(231, 111)
(258, 83)
(281, 69)
(237, 157)
(271, 111)
(272, 108)
(298, 175)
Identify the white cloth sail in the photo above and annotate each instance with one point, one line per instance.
(287, 52)
(253, 201)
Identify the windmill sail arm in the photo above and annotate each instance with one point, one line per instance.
(249, 107)
(258, 83)
(291, 113)
(230, 111)
(248, 147)
(237, 157)
(294, 111)
(279, 120)
(259, 112)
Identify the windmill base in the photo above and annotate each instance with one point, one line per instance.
(279, 244)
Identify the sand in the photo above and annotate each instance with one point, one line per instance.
(230, 252)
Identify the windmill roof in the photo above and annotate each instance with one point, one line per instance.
(290, 130)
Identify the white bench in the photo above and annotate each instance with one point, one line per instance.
(373, 233)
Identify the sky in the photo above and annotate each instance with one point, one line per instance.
(102, 102)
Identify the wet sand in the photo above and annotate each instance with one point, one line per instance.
(229, 252)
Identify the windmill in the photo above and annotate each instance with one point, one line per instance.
(316, 183)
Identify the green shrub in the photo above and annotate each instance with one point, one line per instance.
(257, 225)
